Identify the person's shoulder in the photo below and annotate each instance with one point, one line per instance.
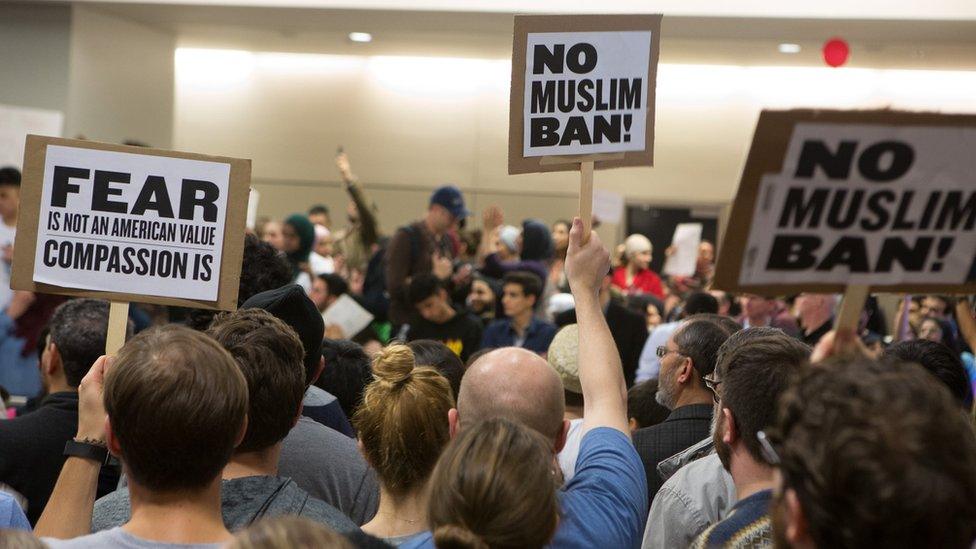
(11, 515)
(323, 513)
(106, 538)
(499, 325)
(111, 510)
(423, 540)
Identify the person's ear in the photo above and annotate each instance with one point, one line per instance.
(633, 425)
(53, 363)
(561, 437)
(686, 370)
(534, 299)
(731, 433)
(111, 442)
(318, 371)
(243, 431)
(453, 422)
(796, 521)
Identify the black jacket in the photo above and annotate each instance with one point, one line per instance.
(629, 334)
(684, 427)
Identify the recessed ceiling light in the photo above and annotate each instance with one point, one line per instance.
(360, 37)
(789, 48)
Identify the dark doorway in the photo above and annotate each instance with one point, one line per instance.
(658, 225)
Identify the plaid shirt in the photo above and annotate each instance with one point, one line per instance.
(684, 427)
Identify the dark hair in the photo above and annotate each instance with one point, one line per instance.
(700, 302)
(753, 373)
(878, 455)
(537, 242)
(262, 268)
(318, 209)
(336, 284)
(428, 352)
(10, 175)
(643, 407)
(423, 286)
(699, 339)
(639, 302)
(177, 402)
(529, 282)
(346, 373)
(940, 361)
(78, 329)
(473, 357)
(269, 355)
(726, 323)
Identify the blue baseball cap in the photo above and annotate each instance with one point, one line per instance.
(451, 199)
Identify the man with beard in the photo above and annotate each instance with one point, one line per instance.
(747, 383)
(687, 357)
(872, 455)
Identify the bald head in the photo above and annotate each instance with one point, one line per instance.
(516, 384)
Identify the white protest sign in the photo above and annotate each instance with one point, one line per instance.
(684, 245)
(131, 222)
(864, 203)
(348, 315)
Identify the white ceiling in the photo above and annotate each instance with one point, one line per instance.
(875, 43)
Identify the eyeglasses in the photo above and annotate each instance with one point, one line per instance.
(712, 385)
(662, 351)
(769, 454)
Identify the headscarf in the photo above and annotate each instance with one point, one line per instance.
(508, 236)
(635, 244)
(306, 240)
(537, 242)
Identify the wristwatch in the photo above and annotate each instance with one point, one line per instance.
(86, 450)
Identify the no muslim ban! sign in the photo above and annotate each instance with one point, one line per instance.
(135, 222)
(583, 85)
(884, 199)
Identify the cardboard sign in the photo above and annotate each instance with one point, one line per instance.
(583, 86)
(130, 224)
(830, 199)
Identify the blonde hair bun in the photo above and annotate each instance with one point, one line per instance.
(394, 364)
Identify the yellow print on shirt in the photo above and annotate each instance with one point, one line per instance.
(455, 345)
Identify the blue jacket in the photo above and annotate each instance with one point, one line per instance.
(500, 333)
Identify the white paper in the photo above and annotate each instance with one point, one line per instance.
(253, 198)
(684, 259)
(348, 315)
(608, 119)
(180, 255)
(16, 123)
(888, 221)
(608, 206)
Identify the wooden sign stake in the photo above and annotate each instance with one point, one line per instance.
(118, 323)
(586, 198)
(851, 306)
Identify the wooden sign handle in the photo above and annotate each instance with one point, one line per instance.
(118, 323)
(586, 198)
(851, 306)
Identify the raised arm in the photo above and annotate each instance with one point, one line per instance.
(967, 325)
(368, 223)
(600, 372)
(68, 513)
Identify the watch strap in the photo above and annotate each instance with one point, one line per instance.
(86, 450)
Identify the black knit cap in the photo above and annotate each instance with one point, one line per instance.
(290, 305)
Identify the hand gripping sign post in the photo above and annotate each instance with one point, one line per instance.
(835, 201)
(130, 224)
(583, 95)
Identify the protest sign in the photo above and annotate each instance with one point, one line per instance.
(834, 200)
(583, 86)
(683, 257)
(130, 224)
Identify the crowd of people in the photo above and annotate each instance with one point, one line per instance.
(519, 385)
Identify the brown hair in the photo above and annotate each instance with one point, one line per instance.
(494, 486)
(879, 456)
(177, 402)
(286, 532)
(270, 356)
(402, 422)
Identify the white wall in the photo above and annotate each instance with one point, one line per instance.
(121, 80)
(34, 45)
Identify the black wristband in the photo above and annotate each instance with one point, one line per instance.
(86, 450)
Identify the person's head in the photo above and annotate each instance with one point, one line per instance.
(428, 352)
(286, 532)
(271, 233)
(177, 407)
(757, 308)
(873, 455)
(76, 340)
(940, 361)
(637, 250)
(934, 306)
(930, 329)
(521, 291)
(269, 355)
(508, 241)
(484, 294)
(494, 486)
(446, 209)
(429, 297)
(319, 215)
(560, 235)
(516, 384)
(402, 422)
(563, 357)
(298, 236)
(9, 191)
(326, 289)
(814, 306)
(291, 305)
(687, 357)
(323, 241)
(725, 302)
(750, 376)
(346, 374)
(649, 307)
(643, 409)
(699, 303)
(706, 254)
(536, 241)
